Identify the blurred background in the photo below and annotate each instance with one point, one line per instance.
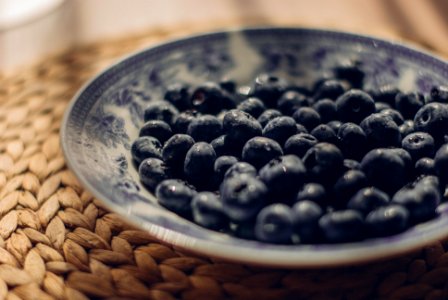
(33, 29)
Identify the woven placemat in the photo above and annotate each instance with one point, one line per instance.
(58, 242)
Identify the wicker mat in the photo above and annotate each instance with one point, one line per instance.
(58, 242)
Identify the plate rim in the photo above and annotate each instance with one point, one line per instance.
(270, 257)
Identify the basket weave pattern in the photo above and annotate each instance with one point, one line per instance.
(58, 242)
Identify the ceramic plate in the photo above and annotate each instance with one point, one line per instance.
(104, 117)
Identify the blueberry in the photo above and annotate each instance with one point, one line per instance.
(301, 128)
(239, 127)
(221, 114)
(146, 147)
(438, 94)
(228, 84)
(178, 95)
(152, 171)
(301, 89)
(324, 133)
(421, 201)
(300, 143)
(157, 129)
(354, 106)
(433, 119)
(368, 199)
(324, 163)
(199, 163)
(244, 230)
(429, 180)
(442, 209)
(209, 98)
(290, 101)
(253, 106)
(161, 110)
(385, 94)
(335, 125)
(240, 168)
(342, 226)
(352, 72)
(381, 131)
(351, 164)
(222, 164)
(280, 129)
(326, 109)
(409, 103)
(274, 224)
(269, 88)
(176, 148)
(385, 169)
(394, 114)
(306, 215)
(348, 185)
(284, 175)
(243, 196)
(222, 147)
(267, 116)
(406, 128)
(331, 89)
(258, 151)
(380, 106)
(419, 144)
(352, 140)
(425, 166)
(407, 159)
(175, 195)
(387, 220)
(207, 211)
(205, 128)
(313, 192)
(308, 117)
(184, 119)
(324, 76)
(441, 163)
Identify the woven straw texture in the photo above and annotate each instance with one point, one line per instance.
(58, 242)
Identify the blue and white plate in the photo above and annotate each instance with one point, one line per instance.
(104, 117)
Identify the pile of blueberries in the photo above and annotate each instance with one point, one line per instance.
(282, 163)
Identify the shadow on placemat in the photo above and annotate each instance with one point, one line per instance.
(57, 242)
